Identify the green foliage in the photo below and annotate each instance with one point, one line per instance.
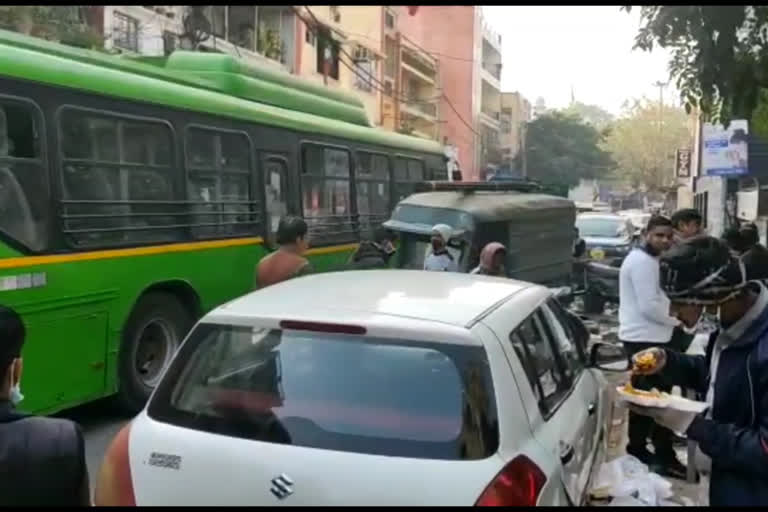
(561, 149)
(591, 114)
(719, 54)
(63, 23)
(644, 154)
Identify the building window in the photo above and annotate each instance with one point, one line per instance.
(170, 42)
(125, 32)
(241, 28)
(309, 36)
(327, 49)
(389, 19)
(365, 74)
(389, 56)
(217, 15)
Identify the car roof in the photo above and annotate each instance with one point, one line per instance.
(598, 215)
(491, 206)
(446, 297)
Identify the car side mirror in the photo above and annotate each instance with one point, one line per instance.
(609, 357)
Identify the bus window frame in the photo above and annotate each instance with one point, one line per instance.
(266, 157)
(255, 200)
(390, 183)
(59, 169)
(395, 181)
(353, 234)
(51, 226)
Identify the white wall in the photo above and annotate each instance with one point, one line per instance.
(716, 187)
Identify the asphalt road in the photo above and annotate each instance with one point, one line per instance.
(100, 423)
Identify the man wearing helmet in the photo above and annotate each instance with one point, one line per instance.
(701, 277)
(439, 259)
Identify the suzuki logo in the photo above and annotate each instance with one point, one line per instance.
(282, 486)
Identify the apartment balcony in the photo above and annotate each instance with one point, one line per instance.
(417, 62)
(420, 109)
(491, 76)
(491, 119)
(491, 37)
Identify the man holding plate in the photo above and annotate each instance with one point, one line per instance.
(702, 278)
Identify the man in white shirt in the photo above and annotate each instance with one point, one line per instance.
(439, 259)
(645, 322)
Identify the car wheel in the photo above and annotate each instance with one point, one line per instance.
(151, 336)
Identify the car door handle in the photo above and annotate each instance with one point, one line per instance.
(566, 452)
(591, 408)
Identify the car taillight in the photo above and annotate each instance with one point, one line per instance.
(114, 487)
(517, 485)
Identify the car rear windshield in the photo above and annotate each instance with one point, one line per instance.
(332, 391)
(603, 228)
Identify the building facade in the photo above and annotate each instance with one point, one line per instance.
(515, 114)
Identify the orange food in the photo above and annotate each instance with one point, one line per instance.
(628, 388)
(645, 362)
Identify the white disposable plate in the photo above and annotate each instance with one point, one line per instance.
(665, 400)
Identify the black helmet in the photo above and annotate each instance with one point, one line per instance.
(701, 271)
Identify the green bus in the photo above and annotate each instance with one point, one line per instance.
(138, 193)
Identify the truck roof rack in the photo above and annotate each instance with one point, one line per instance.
(478, 186)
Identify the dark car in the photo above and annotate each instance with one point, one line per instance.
(609, 237)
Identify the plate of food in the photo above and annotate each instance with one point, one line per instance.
(656, 398)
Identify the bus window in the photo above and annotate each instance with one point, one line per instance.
(325, 194)
(219, 183)
(127, 166)
(407, 172)
(372, 189)
(275, 176)
(24, 192)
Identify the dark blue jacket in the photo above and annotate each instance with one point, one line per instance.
(736, 438)
(42, 461)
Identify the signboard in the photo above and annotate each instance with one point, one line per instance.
(683, 163)
(724, 152)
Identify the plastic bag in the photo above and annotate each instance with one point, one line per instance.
(628, 480)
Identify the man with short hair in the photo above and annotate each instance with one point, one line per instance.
(644, 322)
(288, 261)
(687, 224)
(42, 460)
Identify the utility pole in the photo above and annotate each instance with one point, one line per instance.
(659, 146)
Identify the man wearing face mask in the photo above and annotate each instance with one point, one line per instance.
(42, 460)
(702, 277)
(644, 322)
(439, 259)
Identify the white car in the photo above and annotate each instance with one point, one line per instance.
(390, 387)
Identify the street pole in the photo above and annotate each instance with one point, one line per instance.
(661, 85)
(523, 149)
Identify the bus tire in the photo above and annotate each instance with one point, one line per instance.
(154, 331)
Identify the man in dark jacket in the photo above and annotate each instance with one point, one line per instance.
(700, 277)
(374, 254)
(42, 460)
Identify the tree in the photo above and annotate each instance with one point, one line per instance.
(644, 152)
(719, 54)
(67, 24)
(591, 114)
(561, 149)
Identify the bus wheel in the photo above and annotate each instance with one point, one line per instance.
(152, 334)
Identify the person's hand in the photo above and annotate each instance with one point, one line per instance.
(649, 361)
(675, 420)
